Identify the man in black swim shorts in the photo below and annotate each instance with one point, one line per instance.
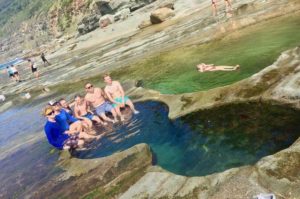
(33, 68)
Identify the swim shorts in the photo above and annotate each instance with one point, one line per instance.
(33, 70)
(72, 141)
(105, 107)
(120, 101)
(89, 116)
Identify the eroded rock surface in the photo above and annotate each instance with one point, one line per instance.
(97, 177)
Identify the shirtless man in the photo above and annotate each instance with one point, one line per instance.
(116, 95)
(82, 111)
(95, 97)
(86, 123)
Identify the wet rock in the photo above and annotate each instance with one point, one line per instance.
(161, 15)
(82, 176)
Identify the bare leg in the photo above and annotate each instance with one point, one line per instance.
(87, 126)
(75, 127)
(116, 112)
(86, 136)
(98, 120)
(103, 116)
(225, 68)
(214, 9)
(228, 5)
(130, 104)
(80, 143)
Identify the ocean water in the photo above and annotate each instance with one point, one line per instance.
(12, 62)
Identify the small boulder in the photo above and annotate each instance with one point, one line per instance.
(106, 20)
(161, 15)
(144, 24)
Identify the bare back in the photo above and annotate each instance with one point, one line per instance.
(95, 98)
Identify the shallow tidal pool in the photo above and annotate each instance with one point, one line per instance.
(253, 48)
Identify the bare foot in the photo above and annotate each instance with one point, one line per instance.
(98, 137)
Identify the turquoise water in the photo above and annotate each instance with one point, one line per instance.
(198, 144)
(205, 142)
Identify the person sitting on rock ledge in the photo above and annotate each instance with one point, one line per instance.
(82, 111)
(61, 138)
(116, 95)
(210, 67)
(95, 98)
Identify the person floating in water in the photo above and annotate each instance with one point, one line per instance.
(44, 60)
(60, 137)
(95, 98)
(210, 67)
(227, 4)
(116, 95)
(33, 68)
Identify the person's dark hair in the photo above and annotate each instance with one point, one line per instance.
(78, 95)
(28, 60)
(7, 66)
(61, 99)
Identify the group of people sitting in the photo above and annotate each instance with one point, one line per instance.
(68, 128)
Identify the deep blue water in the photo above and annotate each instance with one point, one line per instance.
(207, 142)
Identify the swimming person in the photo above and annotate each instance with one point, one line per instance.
(44, 60)
(58, 137)
(33, 68)
(210, 67)
(116, 95)
(95, 97)
(82, 111)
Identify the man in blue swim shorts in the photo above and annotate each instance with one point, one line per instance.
(82, 111)
(116, 95)
(95, 98)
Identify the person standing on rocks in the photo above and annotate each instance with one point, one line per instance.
(44, 60)
(10, 72)
(33, 68)
(215, 10)
(95, 98)
(15, 73)
(116, 95)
